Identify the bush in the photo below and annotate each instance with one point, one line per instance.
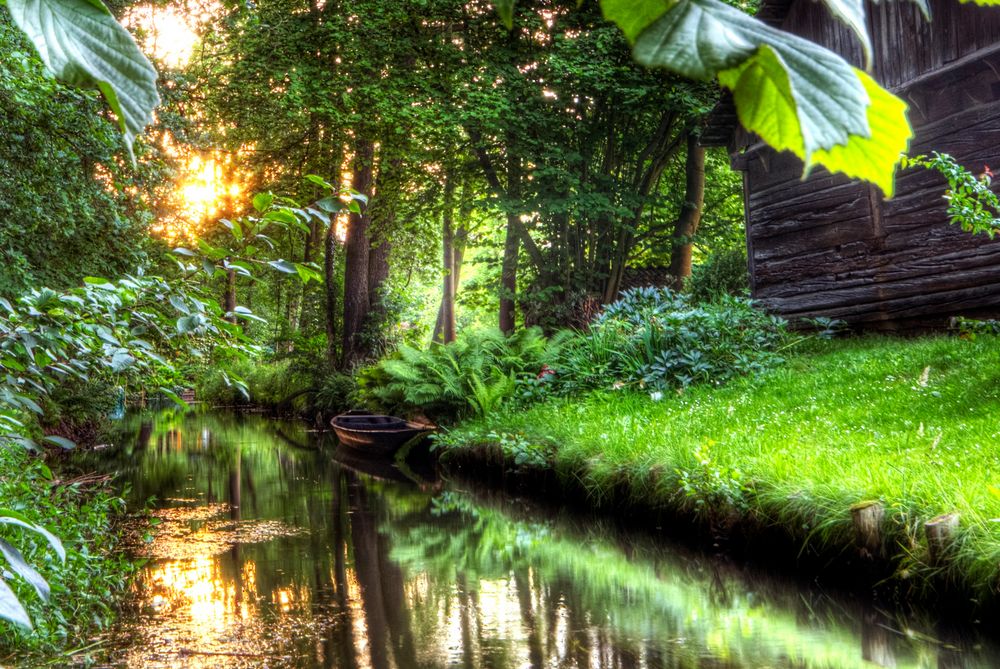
(270, 384)
(654, 338)
(335, 394)
(87, 584)
(724, 273)
(475, 374)
(79, 410)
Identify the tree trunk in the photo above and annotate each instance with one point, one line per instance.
(313, 240)
(378, 273)
(690, 217)
(330, 279)
(508, 277)
(229, 296)
(357, 250)
(444, 330)
(511, 247)
(459, 242)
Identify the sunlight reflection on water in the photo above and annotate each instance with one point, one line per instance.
(268, 553)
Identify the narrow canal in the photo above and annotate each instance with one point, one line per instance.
(270, 552)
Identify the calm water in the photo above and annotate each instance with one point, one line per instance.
(270, 552)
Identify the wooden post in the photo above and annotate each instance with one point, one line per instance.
(876, 642)
(867, 517)
(940, 533)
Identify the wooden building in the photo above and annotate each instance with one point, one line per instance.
(830, 246)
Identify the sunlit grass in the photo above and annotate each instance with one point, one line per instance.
(913, 423)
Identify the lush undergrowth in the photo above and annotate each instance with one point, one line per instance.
(912, 423)
(651, 338)
(86, 587)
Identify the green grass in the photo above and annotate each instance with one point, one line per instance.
(913, 423)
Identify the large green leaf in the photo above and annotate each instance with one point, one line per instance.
(633, 17)
(792, 92)
(10, 606)
(20, 566)
(867, 157)
(83, 44)
(763, 95)
(11, 517)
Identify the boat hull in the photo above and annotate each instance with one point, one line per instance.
(382, 440)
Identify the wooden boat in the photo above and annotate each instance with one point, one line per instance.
(376, 434)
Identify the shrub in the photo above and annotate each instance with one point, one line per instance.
(79, 410)
(270, 384)
(335, 393)
(475, 374)
(654, 338)
(724, 273)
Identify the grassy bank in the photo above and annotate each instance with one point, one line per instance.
(911, 423)
(86, 588)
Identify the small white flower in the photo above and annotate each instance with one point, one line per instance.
(656, 396)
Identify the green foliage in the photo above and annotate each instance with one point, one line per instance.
(84, 586)
(65, 200)
(971, 203)
(792, 92)
(249, 241)
(335, 393)
(489, 394)
(655, 338)
(521, 451)
(475, 374)
(396, 321)
(712, 489)
(79, 410)
(970, 327)
(267, 383)
(82, 44)
(723, 273)
(102, 332)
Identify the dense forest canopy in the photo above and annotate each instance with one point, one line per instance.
(545, 151)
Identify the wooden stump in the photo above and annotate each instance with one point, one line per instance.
(940, 533)
(867, 517)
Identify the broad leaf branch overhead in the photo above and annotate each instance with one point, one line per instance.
(795, 94)
(83, 45)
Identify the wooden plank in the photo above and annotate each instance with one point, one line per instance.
(795, 276)
(852, 303)
(916, 314)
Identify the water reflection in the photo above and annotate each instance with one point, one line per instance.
(270, 553)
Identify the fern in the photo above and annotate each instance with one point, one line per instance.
(487, 396)
(477, 373)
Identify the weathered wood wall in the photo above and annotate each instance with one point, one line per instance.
(827, 246)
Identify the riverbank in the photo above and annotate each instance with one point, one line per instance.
(799, 453)
(86, 588)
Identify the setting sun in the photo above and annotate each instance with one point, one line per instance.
(205, 187)
(169, 34)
